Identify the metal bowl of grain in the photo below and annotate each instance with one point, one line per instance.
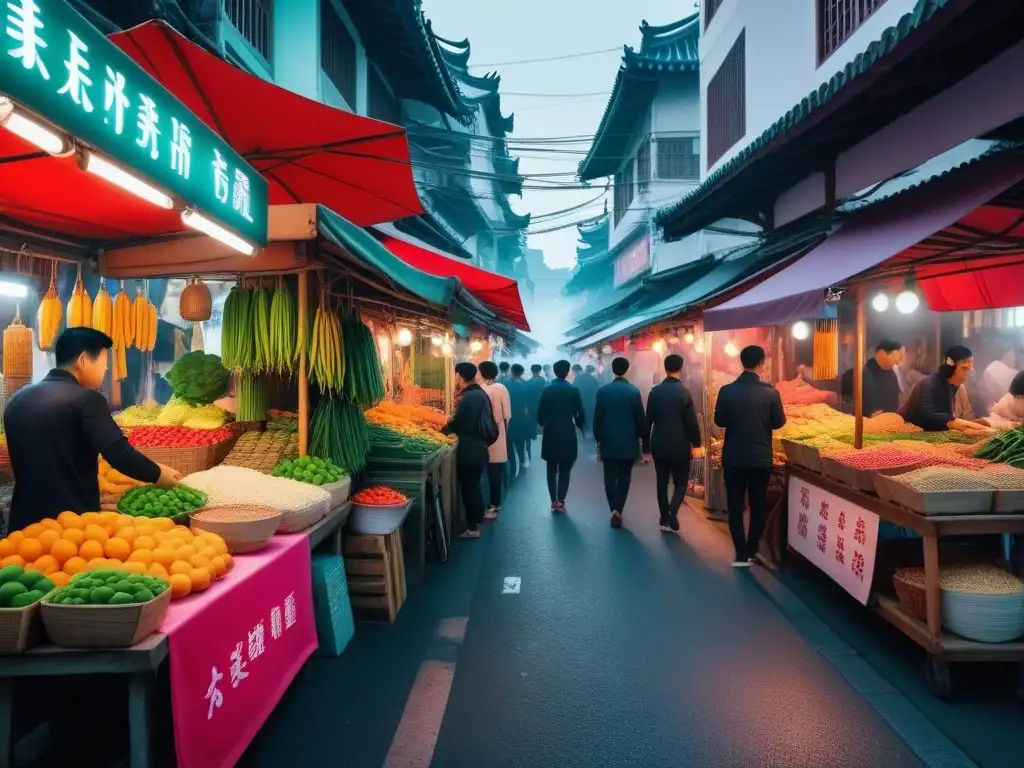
(244, 527)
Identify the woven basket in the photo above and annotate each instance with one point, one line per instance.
(103, 626)
(241, 536)
(195, 304)
(20, 629)
(911, 596)
(293, 522)
(195, 459)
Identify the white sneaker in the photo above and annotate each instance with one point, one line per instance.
(741, 564)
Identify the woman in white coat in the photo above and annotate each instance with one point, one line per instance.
(497, 453)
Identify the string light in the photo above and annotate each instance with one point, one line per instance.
(801, 330)
(880, 302)
(404, 337)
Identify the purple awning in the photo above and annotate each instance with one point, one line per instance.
(865, 241)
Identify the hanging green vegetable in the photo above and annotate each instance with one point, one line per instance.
(364, 380)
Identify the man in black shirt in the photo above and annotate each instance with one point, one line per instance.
(881, 385)
(57, 430)
(748, 409)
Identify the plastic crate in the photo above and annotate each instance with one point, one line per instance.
(331, 606)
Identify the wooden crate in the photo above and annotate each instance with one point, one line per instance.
(376, 576)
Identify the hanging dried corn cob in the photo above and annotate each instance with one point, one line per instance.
(50, 313)
(124, 322)
(102, 310)
(80, 305)
(826, 349)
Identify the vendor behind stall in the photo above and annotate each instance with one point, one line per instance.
(1010, 407)
(881, 385)
(940, 401)
(58, 428)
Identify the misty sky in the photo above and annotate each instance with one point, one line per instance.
(533, 29)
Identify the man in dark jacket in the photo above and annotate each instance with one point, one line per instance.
(748, 409)
(586, 382)
(503, 372)
(618, 428)
(471, 454)
(675, 436)
(520, 428)
(534, 388)
(559, 414)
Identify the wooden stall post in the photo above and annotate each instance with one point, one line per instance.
(858, 371)
(303, 310)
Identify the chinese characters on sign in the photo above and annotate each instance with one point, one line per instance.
(248, 650)
(634, 260)
(57, 64)
(849, 559)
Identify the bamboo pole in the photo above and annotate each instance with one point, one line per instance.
(303, 290)
(858, 372)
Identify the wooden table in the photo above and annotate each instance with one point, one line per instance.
(329, 529)
(139, 663)
(942, 647)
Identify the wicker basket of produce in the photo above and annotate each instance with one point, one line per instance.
(106, 608)
(262, 451)
(185, 449)
(984, 603)
(244, 527)
(909, 584)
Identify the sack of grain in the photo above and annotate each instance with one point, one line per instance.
(301, 504)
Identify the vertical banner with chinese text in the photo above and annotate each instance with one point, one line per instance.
(235, 649)
(836, 535)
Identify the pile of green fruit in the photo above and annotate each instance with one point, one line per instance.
(109, 586)
(20, 588)
(150, 501)
(308, 469)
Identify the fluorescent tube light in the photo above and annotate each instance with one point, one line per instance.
(118, 176)
(13, 290)
(34, 133)
(209, 227)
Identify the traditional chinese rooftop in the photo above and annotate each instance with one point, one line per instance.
(667, 49)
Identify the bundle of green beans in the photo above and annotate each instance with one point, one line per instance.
(339, 433)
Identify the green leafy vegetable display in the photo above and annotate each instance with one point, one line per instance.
(198, 378)
(150, 501)
(309, 469)
(109, 586)
(1007, 448)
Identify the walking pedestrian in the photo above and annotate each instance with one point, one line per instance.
(497, 452)
(473, 423)
(675, 438)
(586, 382)
(619, 426)
(520, 428)
(748, 409)
(534, 389)
(559, 414)
(503, 372)
(547, 373)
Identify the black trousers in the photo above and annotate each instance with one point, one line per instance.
(741, 484)
(558, 479)
(617, 475)
(679, 472)
(521, 451)
(495, 479)
(470, 476)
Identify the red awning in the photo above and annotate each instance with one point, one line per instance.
(499, 293)
(307, 151)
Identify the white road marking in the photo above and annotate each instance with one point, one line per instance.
(511, 585)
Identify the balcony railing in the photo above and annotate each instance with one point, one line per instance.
(254, 21)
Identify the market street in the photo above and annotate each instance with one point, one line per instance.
(622, 648)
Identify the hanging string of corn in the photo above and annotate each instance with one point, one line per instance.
(826, 349)
(80, 305)
(144, 320)
(103, 310)
(51, 311)
(122, 332)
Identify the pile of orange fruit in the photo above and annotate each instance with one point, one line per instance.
(73, 543)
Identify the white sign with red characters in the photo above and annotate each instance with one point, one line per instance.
(836, 535)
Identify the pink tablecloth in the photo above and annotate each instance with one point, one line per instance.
(235, 648)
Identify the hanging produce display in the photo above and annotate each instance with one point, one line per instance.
(826, 349)
(144, 320)
(198, 378)
(236, 343)
(338, 432)
(103, 310)
(50, 313)
(124, 319)
(364, 381)
(284, 349)
(195, 304)
(17, 349)
(80, 305)
(327, 357)
(260, 310)
(251, 397)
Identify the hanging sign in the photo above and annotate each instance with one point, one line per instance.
(836, 535)
(58, 65)
(632, 261)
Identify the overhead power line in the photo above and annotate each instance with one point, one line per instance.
(564, 57)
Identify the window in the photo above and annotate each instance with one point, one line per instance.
(727, 102)
(643, 166)
(624, 191)
(252, 19)
(382, 104)
(710, 9)
(337, 53)
(679, 158)
(839, 19)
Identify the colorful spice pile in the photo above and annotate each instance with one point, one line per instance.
(931, 479)
(409, 421)
(178, 437)
(975, 579)
(1003, 477)
(379, 496)
(881, 457)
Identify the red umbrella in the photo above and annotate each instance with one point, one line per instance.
(307, 151)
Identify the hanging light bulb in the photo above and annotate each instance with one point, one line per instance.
(907, 301)
(475, 345)
(437, 341)
(658, 346)
(801, 330)
(446, 349)
(688, 338)
(404, 337)
(730, 349)
(879, 302)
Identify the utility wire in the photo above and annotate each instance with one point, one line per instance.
(564, 57)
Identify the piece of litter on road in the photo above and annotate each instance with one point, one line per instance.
(511, 585)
